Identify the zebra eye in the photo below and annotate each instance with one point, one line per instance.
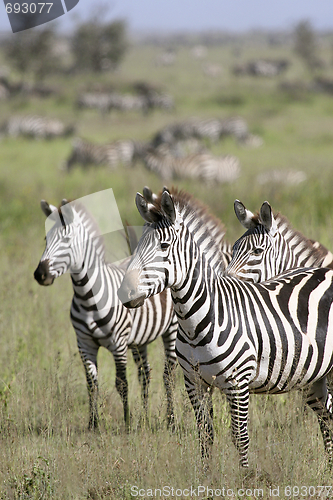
(165, 246)
(258, 251)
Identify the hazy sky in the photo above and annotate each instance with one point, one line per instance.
(201, 15)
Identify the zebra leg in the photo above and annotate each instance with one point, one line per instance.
(141, 361)
(88, 355)
(320, 400)
(122, 388)
(200, 395)
(169, 342)
(70, 161)
(239, 405)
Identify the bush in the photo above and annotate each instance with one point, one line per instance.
(306, 45)
(97, 47)
(31, 52)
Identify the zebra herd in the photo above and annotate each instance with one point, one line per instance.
(255, 318)
(106, 102)
(178, 150)
(262, 67)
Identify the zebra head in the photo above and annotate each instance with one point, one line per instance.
(63, 251)
(255, 254)
(154, 265)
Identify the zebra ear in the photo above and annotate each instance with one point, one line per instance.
(67, 212)
(145, 209)
(267, 218)
(149, 195)
(64, 202)
(245, 217)
(46, 208)
(168, 206)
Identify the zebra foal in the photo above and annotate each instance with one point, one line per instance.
(240, 337)
(271, 246)
(99, 319)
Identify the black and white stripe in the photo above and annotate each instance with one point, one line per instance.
(240, 337)
(271, 246)
(37, 127)
(99, 319)
(201, 165)
(122, 152)
(106, 102)
(212, 129)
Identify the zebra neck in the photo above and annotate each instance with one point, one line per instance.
(88, 281)
(192, 300)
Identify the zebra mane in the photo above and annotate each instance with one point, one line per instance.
(202, 222)
(93, 230)
(309, 248)
(86, 217)
(314, 249)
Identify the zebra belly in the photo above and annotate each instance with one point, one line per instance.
(212, 367)
(291, 368)
(294, 367)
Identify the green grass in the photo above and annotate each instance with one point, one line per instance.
(47, 451)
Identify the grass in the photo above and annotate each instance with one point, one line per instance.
(47, 451)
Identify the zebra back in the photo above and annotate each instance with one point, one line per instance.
(200, 165)
(112, 154)
(36, 126)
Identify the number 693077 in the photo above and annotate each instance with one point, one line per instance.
(26, 8)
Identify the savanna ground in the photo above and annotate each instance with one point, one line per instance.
(46, 449)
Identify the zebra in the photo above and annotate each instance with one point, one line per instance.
(271, 246)
(240, 337)
(225, 246)
(99, 319)
(262, 67)
(286, 177)
(158, 100)
(85, 152)
(94, 100)
(201, 165)
(105, 102)
(35, 126)
(212, 129)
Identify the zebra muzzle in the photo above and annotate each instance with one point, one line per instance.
(128, 293)
(42, 274)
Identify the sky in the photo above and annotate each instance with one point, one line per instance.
(151, 16)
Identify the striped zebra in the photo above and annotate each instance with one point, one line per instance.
(212, 129)
(240, 337)
(105, 102)
(284, 177)
(121, 152)
(262, 67)
(271, 246)
(224, 245)
(99, 319)
(202, 166)
(37, 127)
(94, 100)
